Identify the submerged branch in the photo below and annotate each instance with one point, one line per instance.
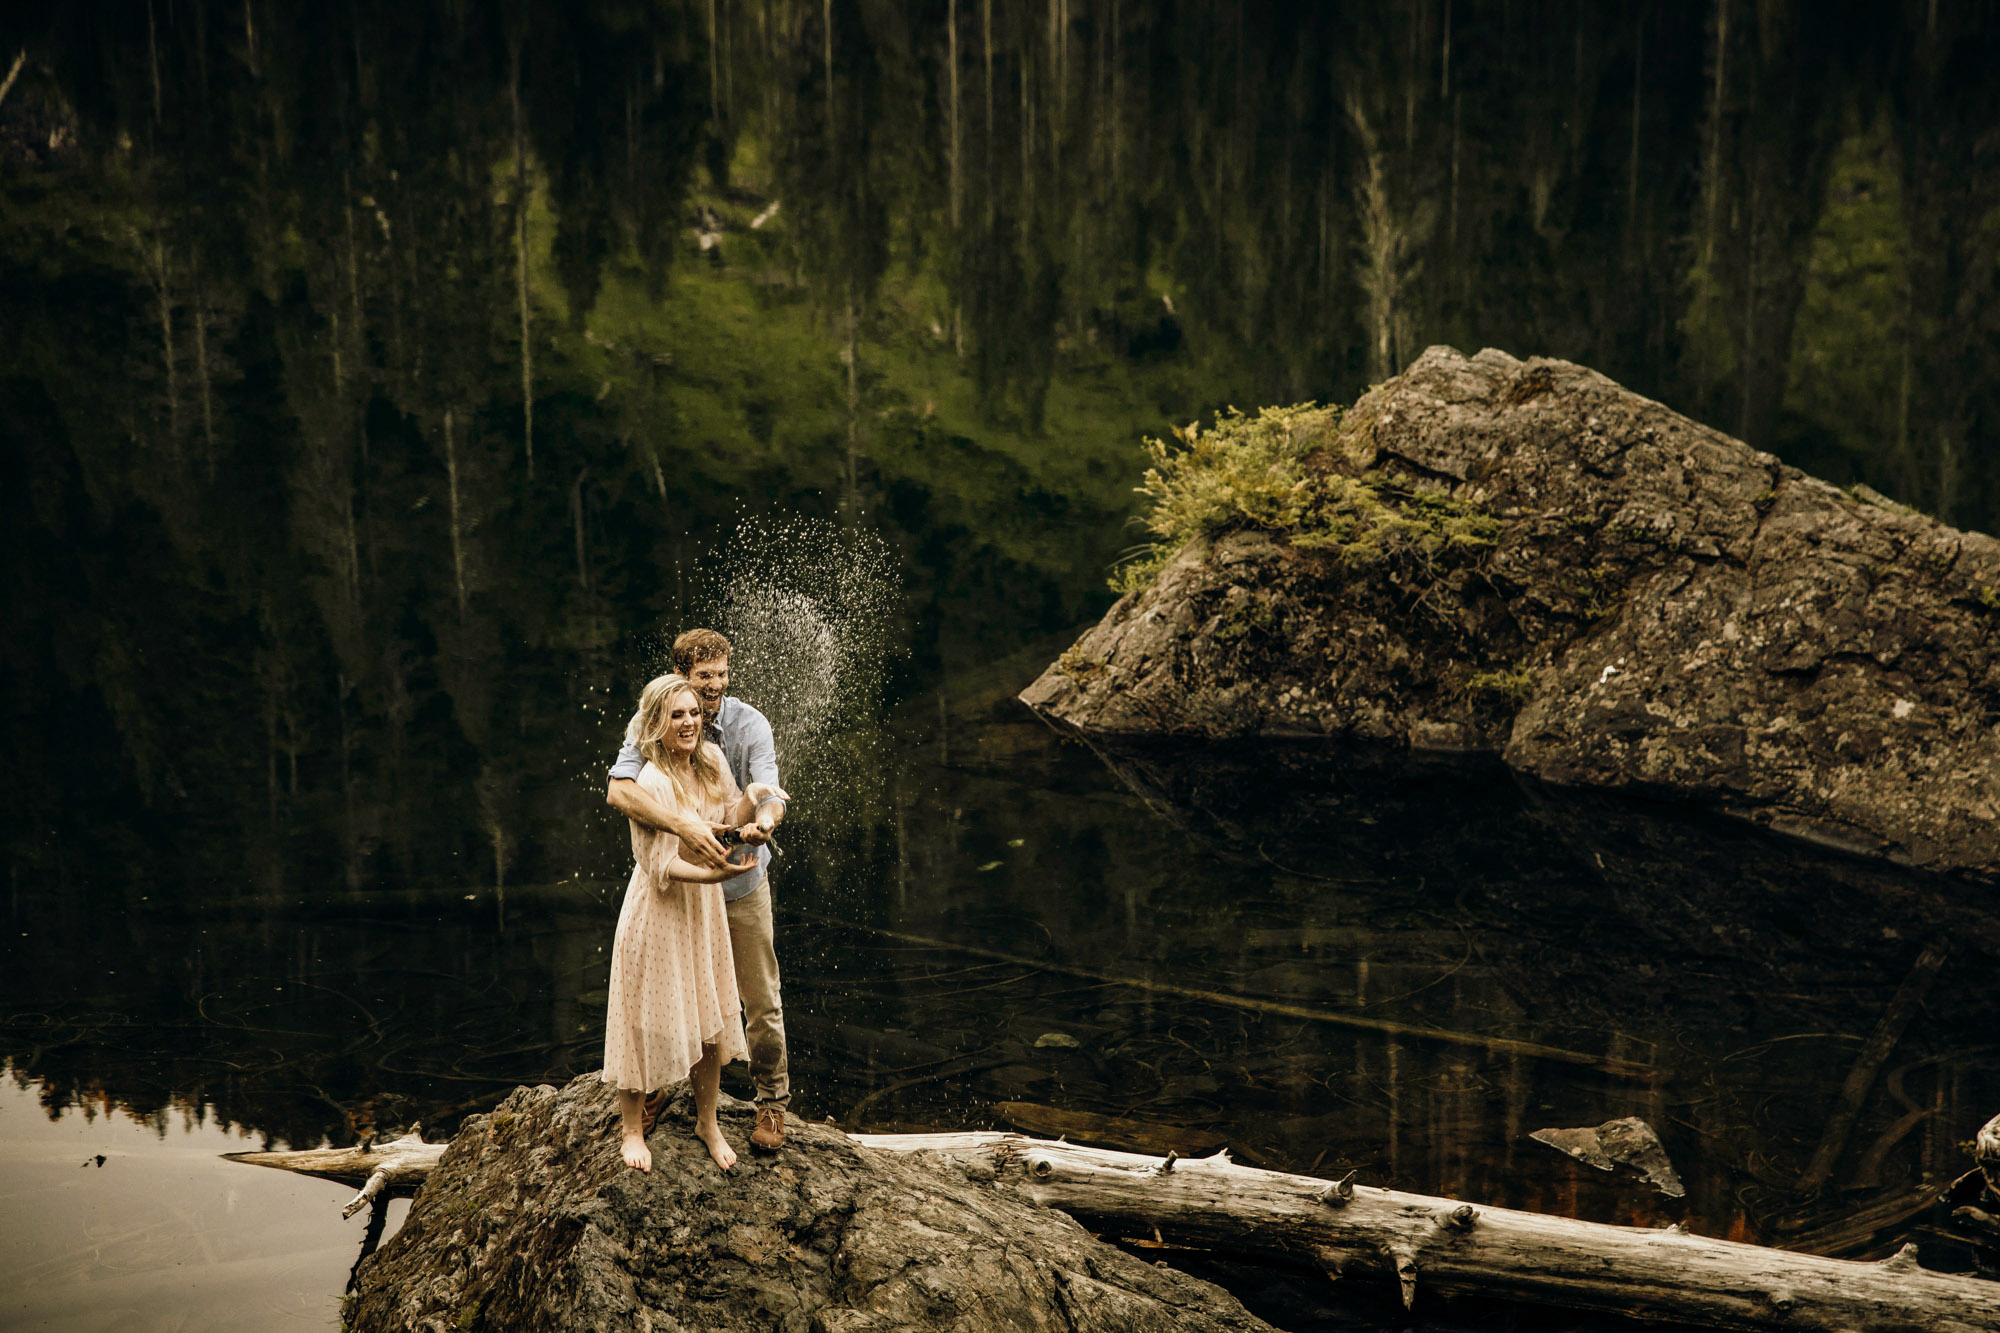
(1388, 1027)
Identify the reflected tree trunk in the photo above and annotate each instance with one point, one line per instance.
(157, 261)
(850, 497)
(576, 519)
(153, 62)
(951, 58)
(204, 377)
(1713, 171)
(986, 33)
(1638, 91)
(14, 72)
(521, 269)
(457, 541)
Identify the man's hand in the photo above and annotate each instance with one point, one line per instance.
(767, 816)
(633, 801)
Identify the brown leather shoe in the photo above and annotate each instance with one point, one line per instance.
(769, 1136)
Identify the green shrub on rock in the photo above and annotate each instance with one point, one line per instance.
(1269, 472)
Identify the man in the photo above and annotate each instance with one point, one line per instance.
(702, 655)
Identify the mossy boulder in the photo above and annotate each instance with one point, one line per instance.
(1525, 559)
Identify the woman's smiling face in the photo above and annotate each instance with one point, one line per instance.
(683, 722)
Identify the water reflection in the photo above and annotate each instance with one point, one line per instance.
(376, 376)
(121, 1221)
(1303, 960)
(377, 379)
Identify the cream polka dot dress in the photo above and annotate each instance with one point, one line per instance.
(673, 980)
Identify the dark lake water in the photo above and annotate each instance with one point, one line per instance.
(380, 387)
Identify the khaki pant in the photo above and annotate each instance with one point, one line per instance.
(757, 981)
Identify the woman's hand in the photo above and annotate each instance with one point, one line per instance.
(689, 873)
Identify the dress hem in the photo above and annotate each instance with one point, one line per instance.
(716, 1040)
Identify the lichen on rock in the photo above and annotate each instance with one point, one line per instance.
(1524, 558)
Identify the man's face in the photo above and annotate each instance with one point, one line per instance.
(711, 681)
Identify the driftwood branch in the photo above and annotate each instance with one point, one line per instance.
(1454, 1247)
(399, 1165)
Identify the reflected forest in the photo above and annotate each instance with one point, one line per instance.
(374, 374)
(383, 385)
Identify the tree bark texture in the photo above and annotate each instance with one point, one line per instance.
(1454, 1247)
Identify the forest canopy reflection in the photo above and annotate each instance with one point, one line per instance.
(375, 374)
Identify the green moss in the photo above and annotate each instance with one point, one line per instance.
(1078, 665)
(1251, 472)
(1514, 686)
(1988, 597)
(1248, 617)
(468, 1315)
(1138, 571)
(1593, 588)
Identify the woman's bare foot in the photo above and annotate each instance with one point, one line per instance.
(718, 1147)
(637, 1154)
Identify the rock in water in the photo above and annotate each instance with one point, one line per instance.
(531, 1222)
(1627, 1140)
(1630, 600)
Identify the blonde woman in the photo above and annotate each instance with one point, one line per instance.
(673, 1008)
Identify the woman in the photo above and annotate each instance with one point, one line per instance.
(673, 1007)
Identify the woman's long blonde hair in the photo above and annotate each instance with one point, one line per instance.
(648, 729)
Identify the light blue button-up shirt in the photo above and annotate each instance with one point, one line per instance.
(745, 737)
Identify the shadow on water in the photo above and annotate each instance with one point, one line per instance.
(1329, 961)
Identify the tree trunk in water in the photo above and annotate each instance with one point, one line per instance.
(457, 544)
(14, 70)
(1415, 1240)
(1715, 130)
(165, 299)
(521, 271)
(951, 56)
(202, 373)
(851, 498)
(1455, 1247)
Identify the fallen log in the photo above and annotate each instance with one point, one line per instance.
(1455, 1247)
(1347, 1229)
